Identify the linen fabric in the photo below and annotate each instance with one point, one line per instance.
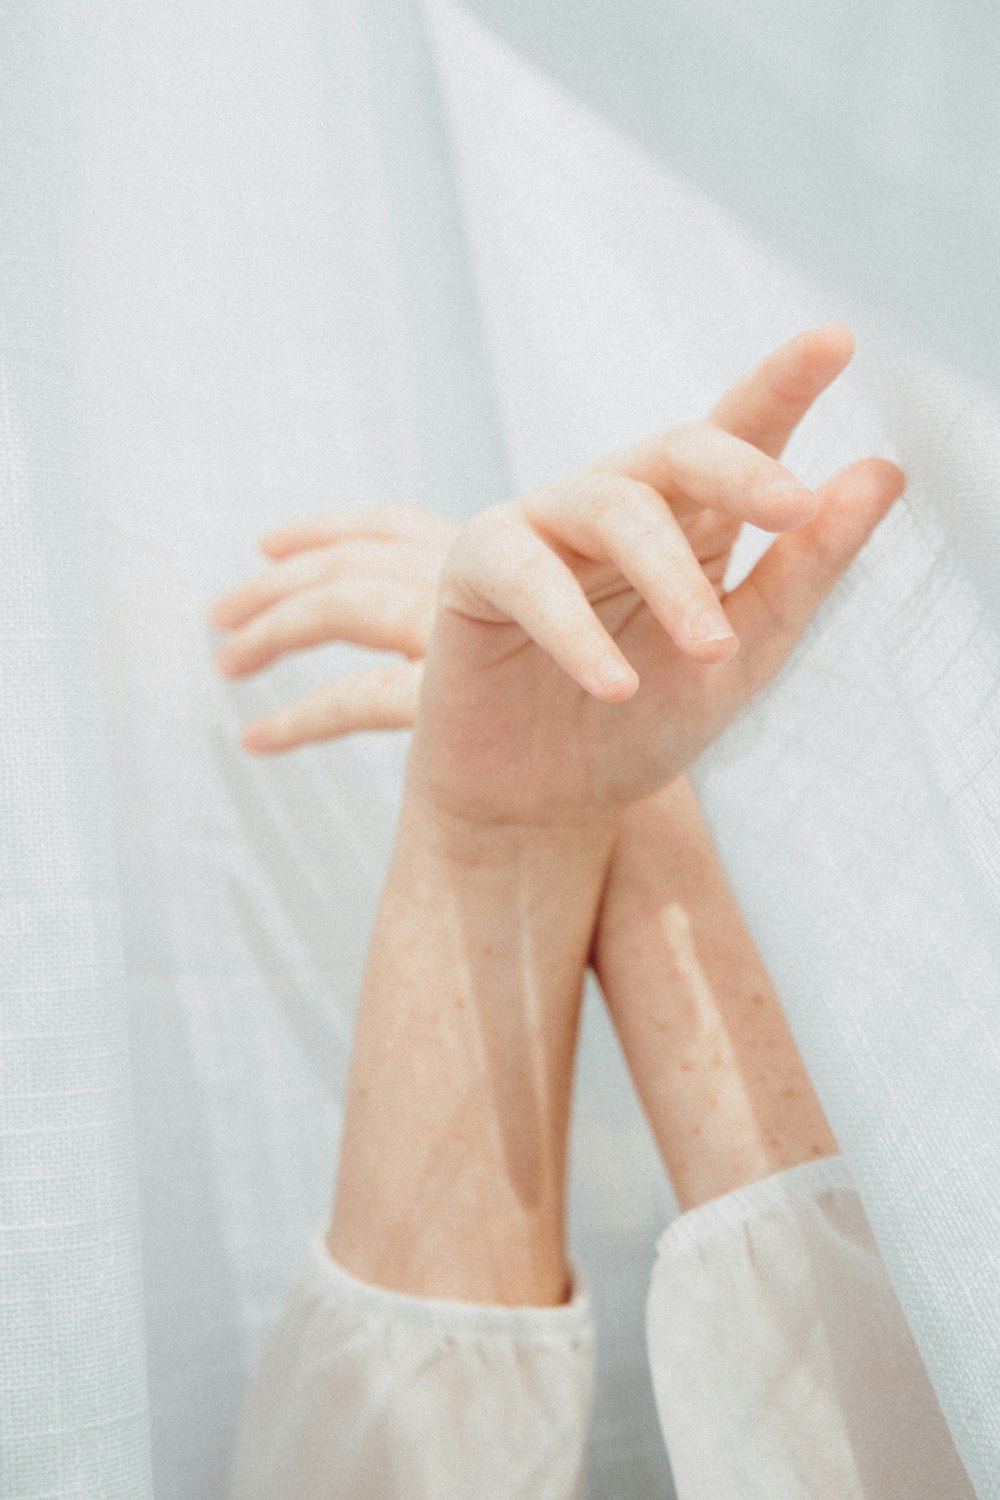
(783, 1367)
(856, 803)
(367, 1392)
(857, 137)
(73, 1399)
(263, 260)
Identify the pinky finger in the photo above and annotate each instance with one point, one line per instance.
(383, 699)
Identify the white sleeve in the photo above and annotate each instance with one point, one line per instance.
(782, 1364)
(374, 1395)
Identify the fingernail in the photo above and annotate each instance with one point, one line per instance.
(790, 489)
(710, 626)
(799, 499)
(614, 673)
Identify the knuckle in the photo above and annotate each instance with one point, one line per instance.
(484, 533)
(489, 558)
(602, 489)
(611, 501)
(686, 433)
(406, 518)
(638, 518)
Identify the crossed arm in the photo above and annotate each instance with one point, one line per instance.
(580, 652)
(454, 1162)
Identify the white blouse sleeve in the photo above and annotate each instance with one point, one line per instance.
(374, 1395)
(781, 1360)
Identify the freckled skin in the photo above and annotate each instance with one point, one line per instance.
(527, 752)
(713, 1059)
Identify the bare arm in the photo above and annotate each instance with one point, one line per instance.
(711, 1054)
(453, 1165)
(581, 658)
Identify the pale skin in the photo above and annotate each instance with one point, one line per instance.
(564, 657)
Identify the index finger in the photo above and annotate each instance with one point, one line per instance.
(766, 406)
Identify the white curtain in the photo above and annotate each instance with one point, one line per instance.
(265, 259)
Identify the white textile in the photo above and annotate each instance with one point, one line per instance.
(368, 1394)
(859, 136)
(269, 258)
(782, 1364)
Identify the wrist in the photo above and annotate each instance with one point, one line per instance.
(654, 840)
(504, 845)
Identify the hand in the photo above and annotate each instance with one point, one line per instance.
(369, 577)
(581, 657)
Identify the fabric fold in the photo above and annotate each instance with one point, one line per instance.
(366, 1392)
(782, 1363)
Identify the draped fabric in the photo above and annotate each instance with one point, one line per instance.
(858, 137)
(782, 1364)
(265, 260)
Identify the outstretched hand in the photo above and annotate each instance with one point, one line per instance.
(582, 652)
(369, 577)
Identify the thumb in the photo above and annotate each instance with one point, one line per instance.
(772, 606)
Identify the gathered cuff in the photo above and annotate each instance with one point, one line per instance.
(567, 1322)
(792, 1185)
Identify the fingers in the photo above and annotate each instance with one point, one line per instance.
(766, 406)
(702, 466)
(374, 584)
(385, 699)
(379, 523)
(386, 614)
(500, 571)
(413, 565)
(298, 571)
(608, 518)
(738, 471)
(773, 605)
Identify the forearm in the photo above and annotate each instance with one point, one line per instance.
(452, 1165)
(706, 1040)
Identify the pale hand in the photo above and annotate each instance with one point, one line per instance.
(369, 577)
(582, 657)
